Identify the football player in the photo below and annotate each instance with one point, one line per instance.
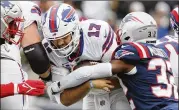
(67, 42)
(16, 34)
(144, 70)
(169, 43)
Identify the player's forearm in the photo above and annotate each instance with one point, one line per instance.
(83, 74)
(72, 95)
(7, 90)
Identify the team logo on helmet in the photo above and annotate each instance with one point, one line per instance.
(6, 5)
(68, 14)
(131, 18)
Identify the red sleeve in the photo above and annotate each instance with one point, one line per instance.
(7, 90)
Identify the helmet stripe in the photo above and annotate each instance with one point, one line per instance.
(53, 19)
(136, 19)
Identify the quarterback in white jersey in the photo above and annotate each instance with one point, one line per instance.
(21, 28)
(68, 41)
(169, 43)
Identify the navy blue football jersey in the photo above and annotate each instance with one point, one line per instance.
(152, 86)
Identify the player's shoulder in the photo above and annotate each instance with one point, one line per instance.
(167, 39)
(126, 51)
(133, 46)
(93, 23)
(31, 13)
(98, 28)
(28, 5)
(134, 49)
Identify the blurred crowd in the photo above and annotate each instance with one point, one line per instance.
(113, 11)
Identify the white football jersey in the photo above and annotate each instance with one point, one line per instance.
(31, 13)
(97, 43)
(170, 45)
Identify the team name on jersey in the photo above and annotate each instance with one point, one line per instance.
(157, 52)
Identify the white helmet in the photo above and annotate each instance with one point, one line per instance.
(58, 21)
(138, 27)
(11, 22)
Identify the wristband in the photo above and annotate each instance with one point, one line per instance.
(15, 89)
(91, 84)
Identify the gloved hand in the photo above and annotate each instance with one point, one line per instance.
(54, 87)
(31, 87)
(52, 90)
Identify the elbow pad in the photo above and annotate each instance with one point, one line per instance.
(37, 58)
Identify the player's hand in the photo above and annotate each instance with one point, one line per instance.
(103, 84)
(52, 89)
(31, 87)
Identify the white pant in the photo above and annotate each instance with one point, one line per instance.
(116, 100)
(11, 72)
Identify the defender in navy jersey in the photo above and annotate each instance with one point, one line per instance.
(150, 86)
(144, 69)
(145, 76)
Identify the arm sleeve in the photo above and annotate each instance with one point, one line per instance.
(58, 72)
(85, 73)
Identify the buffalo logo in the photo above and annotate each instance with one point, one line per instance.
(68, 14)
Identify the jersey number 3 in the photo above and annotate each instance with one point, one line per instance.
(163, 79)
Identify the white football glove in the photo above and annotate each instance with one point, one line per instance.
(53, 90)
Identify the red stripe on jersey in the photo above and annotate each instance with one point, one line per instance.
(138, 50)
(141, 51)
(146, 50)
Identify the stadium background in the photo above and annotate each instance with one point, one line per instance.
(112, 12)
